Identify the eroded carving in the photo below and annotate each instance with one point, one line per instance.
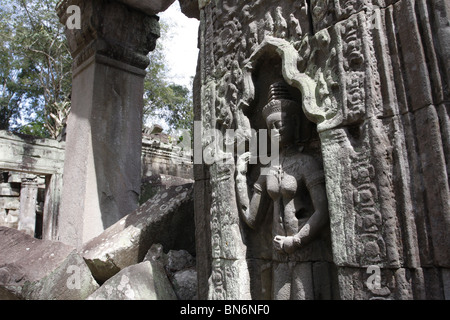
(353, 65)
(122, 41)
(292, 190)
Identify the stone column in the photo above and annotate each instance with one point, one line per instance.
(28, 198)
(102, 172)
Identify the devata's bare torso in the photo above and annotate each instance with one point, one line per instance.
(286, 187)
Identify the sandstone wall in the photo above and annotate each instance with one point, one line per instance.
(372, 77)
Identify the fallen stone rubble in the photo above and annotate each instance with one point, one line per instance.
(148, 255)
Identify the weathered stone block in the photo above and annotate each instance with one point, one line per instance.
(179, 260)
(7, 191)
(435, 181)
(149, 7)
(416, 70)
(378, 284)
(180, 269)
(28, 201)
(167, 218)
(190, 8)
(9, 218)
(35, 269)
(10, 203)
(30, 154)
(372, 79)
(102, 168)
(446, 282)
(143, 281)
(18, 177)
(185, 284)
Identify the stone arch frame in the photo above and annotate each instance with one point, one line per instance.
(305, 83)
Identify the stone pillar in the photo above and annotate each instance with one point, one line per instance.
(28, 198)
(102, 172)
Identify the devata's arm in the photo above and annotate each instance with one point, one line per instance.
(252, 209)
(315, 182)
(319, 218)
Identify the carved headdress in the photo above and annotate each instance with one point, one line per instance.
(280, 100)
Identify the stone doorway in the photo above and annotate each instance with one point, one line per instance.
(22, 201)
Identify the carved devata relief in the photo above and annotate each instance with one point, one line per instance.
(291, 193)
(265, 70)
(294, 71)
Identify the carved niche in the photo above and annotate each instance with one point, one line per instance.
(246, 49)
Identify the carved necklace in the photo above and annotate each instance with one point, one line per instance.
(285, 161)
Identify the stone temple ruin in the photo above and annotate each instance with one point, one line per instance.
(352, 204)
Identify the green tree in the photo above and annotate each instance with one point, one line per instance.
(35, 74)
(41, 70)
(164, 100)
(11, 78)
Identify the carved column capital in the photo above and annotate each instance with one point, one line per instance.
(111, 29)
(190, 8)
(149, 6)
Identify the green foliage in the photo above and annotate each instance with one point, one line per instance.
(36, 74)
(163, 100)
(11, 88)
(169, 102)
(36, 79)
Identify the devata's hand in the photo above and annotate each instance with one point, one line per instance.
(242, 163)
(285, 244)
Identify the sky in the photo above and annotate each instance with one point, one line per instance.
(181, 49)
